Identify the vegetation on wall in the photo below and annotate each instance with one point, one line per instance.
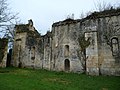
(3, 44)
(34, 39)
(83, 43)
(111, 30)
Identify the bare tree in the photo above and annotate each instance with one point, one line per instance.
(82, 15)
(7, 21)
(101, 6)
(83, 43)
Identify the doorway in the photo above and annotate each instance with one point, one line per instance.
(67, 65)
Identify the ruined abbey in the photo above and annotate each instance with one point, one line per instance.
(90, 45)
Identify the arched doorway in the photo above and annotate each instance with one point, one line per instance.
(9, 55)
(67, 65)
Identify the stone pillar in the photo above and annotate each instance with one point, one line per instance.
(92, 67)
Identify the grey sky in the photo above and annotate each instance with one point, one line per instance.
(45, 12)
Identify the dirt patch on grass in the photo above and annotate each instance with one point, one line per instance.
(57, 80)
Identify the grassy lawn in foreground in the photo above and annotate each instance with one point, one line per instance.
(29, 79)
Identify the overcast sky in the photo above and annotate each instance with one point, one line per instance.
(45, 12)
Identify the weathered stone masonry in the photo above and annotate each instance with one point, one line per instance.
(3, 51)
(28, 48)
(90, 45)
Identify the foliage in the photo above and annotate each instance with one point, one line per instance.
(102, 9)
(83, 42)
(28, 79)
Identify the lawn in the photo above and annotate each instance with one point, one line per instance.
(29, 79)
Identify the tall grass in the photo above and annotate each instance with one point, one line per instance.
(29, 79)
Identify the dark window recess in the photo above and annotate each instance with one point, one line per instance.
(115, 46)
(32, 58)
(33, 53)
(66, 51)
(18, 39)
(20, 65)
(115, 49)
(48, 40)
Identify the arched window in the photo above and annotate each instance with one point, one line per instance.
(33, 53)
(115, 46)
(66, 51)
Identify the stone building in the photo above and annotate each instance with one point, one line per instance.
(65, 46)
(27, 50)
(90, 45)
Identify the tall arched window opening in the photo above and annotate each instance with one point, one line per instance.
(115, 46)
(66, 51)
(33, 53)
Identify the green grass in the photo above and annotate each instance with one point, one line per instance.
(29, 79)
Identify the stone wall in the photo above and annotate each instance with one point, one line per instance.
(3, 51)
(104, 58)
(47, 63)
(109, 49)
(28, 47)
(65, 46)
